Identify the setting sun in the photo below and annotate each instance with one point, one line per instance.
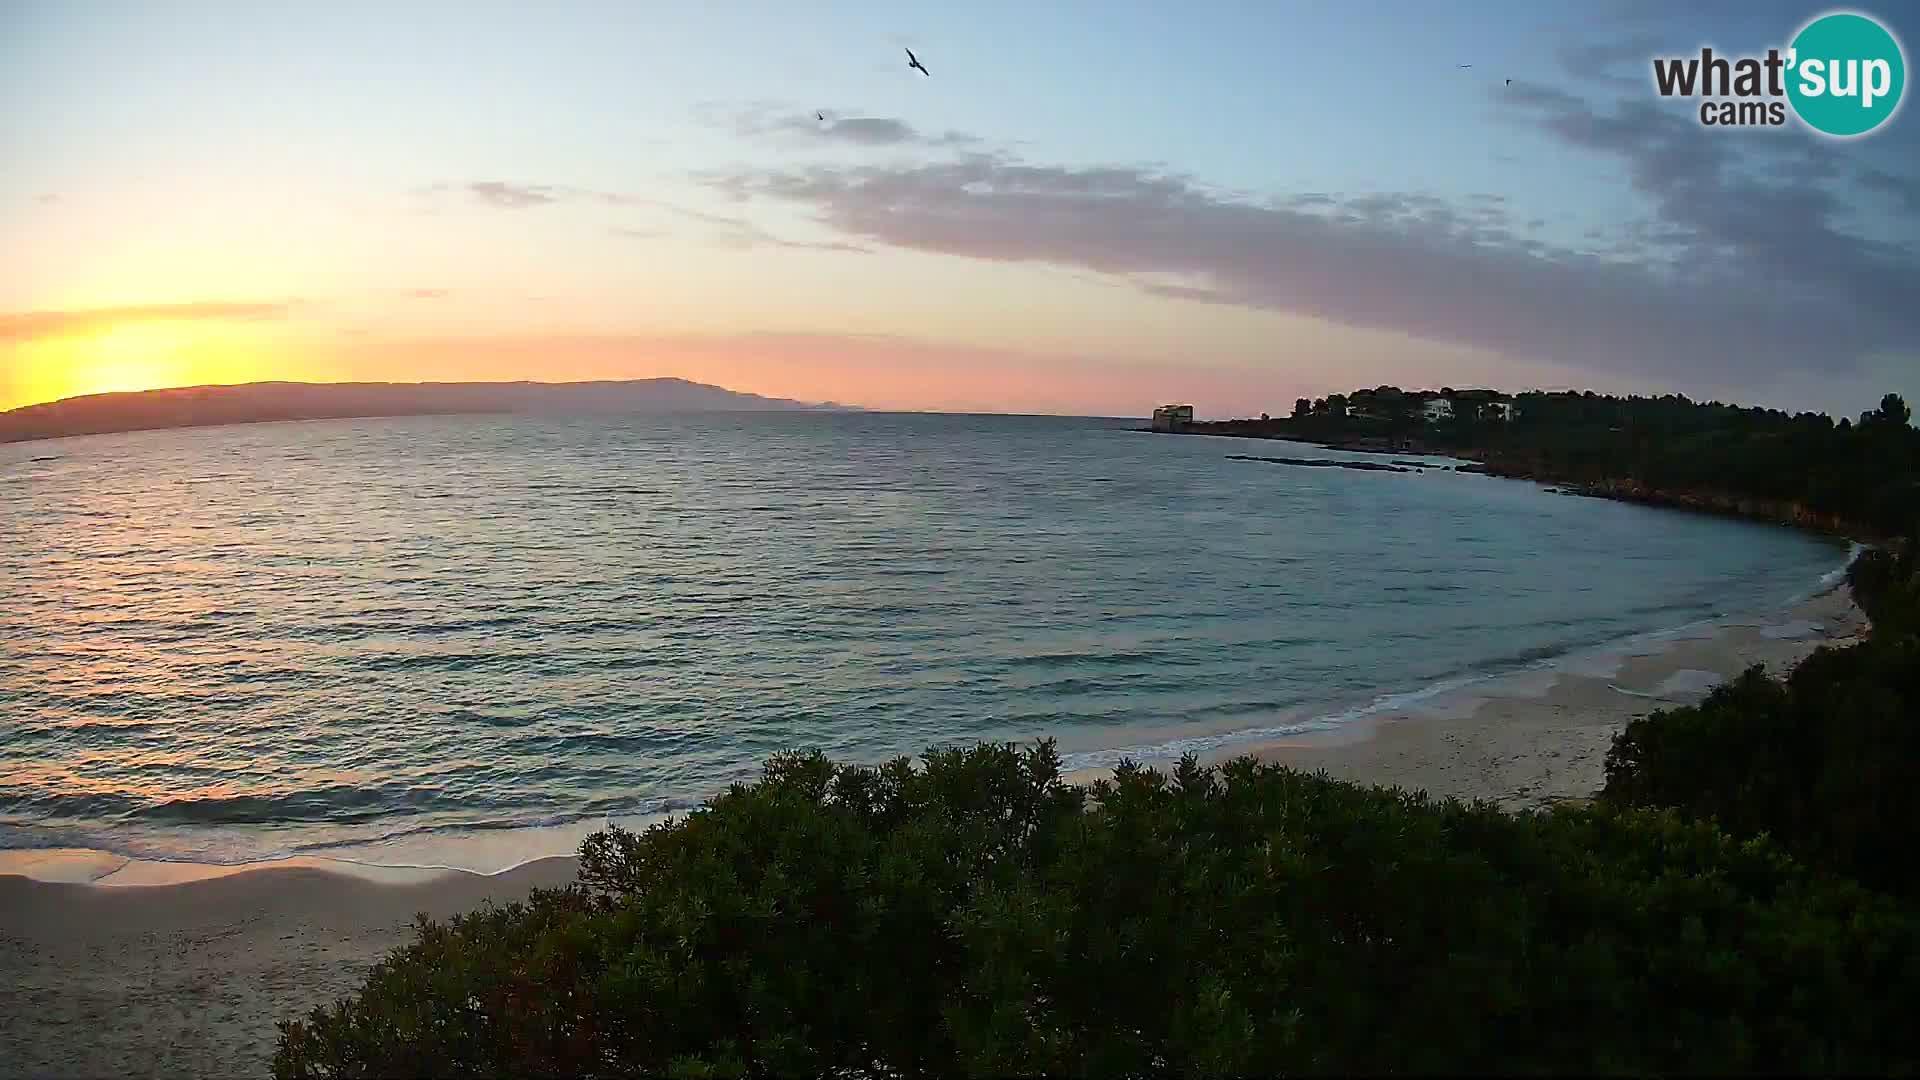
(129, 357)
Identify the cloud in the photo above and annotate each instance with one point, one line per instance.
(512, 196)
(35, 325)
(861, 131)
(1903, 190)
(502, 195)
(1611, 47)
(827, 126)
(1621, 63)
(733, 231)
(1730, 272)
(1759, 213)
(739, 232)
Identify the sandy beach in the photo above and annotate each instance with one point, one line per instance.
(177, 979)
(188, 979)
(1542, 737)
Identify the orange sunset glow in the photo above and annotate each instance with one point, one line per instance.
(136, 356)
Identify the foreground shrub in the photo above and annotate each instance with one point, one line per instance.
(1886, 584)
(1826, 761)
(979, 916)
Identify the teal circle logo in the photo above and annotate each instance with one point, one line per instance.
(1846, 75)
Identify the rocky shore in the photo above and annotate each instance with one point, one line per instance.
(1774, 511)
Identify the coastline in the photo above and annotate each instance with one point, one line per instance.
(1507, 467)
(1303, 730)
(1544, 739)
(1532, 737)
(183, 969)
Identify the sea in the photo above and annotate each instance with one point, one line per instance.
(468, 641)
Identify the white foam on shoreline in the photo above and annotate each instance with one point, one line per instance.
(1456, 695)
(87, 866)
(1687, 684)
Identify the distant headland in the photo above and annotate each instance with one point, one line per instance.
(1857, 477)
(249, 403)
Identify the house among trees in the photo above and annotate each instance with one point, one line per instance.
(1394, 407)
(1485, 404)
(1172, 417)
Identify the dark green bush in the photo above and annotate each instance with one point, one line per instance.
(978, 916)
(1825, 761)
(1886, 585)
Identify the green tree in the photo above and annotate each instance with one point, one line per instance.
(1862, 479)
(981, 917)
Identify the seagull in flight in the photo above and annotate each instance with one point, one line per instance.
(1466, 65)
(823, 116)
(914, 62)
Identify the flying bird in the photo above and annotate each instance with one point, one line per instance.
(823, 116)
(914, 62)
(1509, 82)
(1466, 65)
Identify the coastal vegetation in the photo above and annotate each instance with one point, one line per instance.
(1740, 897)
(980, 916)
(1825, 761)
(1858, 476)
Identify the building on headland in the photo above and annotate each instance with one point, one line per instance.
(1483, 405)
(1172, 417)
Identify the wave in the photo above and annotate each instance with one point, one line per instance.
(357, 808)
(1541, 658)
(1172, 749)
(372, 830)
(1833, 577)
(473, 845)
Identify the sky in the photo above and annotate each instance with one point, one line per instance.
(1085, 209)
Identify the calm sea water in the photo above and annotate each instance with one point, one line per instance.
(234, 643)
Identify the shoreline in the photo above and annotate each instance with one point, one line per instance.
(163, 973)
(1532, 737)
(491, 853)
(1478, 460)
(1544, 740)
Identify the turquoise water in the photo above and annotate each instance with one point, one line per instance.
(230, 644)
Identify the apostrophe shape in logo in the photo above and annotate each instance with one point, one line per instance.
(1849, 74)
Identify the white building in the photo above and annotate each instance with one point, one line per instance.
(1172, 417)
(1437, 409)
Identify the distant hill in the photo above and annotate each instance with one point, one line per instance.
(204, 406)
